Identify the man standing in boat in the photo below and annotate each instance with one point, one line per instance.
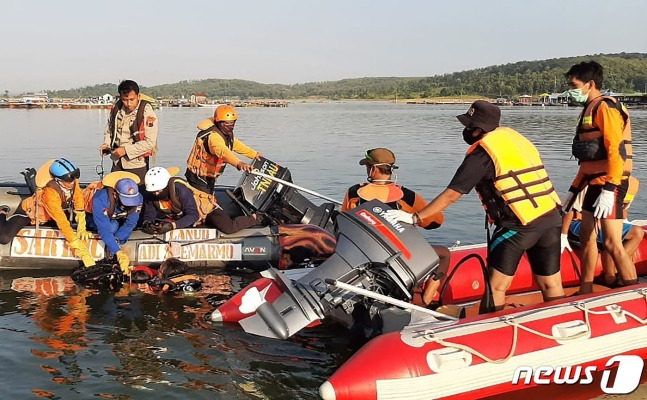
(602, 145)
(508, 174)
(380, 185)
(131, 133)
(215, 146)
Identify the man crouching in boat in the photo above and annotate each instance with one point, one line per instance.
(54, 201)
(115, 204)
(380, 185)
(509, 176)
(184, 206)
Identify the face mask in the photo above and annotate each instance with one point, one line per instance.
(468, 136)
(577, 96)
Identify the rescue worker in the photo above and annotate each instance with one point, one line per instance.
(115, 209)
(215, 146)
(632, 235)
(380, 185)
(184, 206)
(602, 145)
(57, 200)
(131, 132)
(509, 176)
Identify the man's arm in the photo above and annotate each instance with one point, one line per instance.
(439, 204)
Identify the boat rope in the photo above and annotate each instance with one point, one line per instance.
(516, 326)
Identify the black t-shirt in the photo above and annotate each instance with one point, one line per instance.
(477, 171)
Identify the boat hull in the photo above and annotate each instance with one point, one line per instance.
(478, 357)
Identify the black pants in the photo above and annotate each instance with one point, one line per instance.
(220, 220)
(140, 172)
(9, 227)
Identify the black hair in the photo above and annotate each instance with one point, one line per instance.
(127, 86)
(173, 267)
(587, 71)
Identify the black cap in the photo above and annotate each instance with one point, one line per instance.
(481, 114)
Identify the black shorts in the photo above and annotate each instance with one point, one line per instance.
(593, 192)
(542, 247)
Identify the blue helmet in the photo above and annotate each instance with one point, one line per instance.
(64, 170)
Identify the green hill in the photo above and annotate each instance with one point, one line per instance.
(624, 72)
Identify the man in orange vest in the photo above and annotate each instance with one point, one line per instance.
(507, 172)
(131, 132)
(380, 167)
(215, 146)
(602, 145)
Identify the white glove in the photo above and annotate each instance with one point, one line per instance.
(604, 204)
(399, 215)
(564, 243)
(568, 203)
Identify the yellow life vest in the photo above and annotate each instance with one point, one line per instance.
(521, 179)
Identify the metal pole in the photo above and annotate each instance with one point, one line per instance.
(388, 300)
(292, 185)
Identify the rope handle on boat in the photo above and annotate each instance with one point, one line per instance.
(517, 326)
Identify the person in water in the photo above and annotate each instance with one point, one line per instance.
(115, 211)
(131, 132)
(58, 200)
(215, 146)
(381, 185)
(632, 235)
(602, 145)
(184, 206)
(507, 172)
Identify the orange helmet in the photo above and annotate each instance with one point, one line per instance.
(225, 113)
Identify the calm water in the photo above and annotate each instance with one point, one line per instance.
(133, 345)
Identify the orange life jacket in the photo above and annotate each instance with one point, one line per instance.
(205, 202)
(520, 177)
(201, 162)
(29, 204)
(590, 140)
(88, 195)
(137, 128)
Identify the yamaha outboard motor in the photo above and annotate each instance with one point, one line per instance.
(283, 203)
(372, 253)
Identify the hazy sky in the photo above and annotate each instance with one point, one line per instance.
(64, 44)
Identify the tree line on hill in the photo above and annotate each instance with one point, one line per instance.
(624, 72)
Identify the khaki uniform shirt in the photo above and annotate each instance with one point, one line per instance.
(134, 151)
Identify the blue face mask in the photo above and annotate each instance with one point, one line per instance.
(577, 96)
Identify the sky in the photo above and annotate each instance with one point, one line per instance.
(63, 44)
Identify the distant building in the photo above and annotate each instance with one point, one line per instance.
(35, 98)
(199, 98)
(525, 100)
(107, 98)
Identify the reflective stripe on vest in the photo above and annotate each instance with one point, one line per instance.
(137, 128)
(521, 179)
(587, 130)
(29, 204)
(201, 162)
(204, 202)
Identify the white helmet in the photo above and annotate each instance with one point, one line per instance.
(156, 179)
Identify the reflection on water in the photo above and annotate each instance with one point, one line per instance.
(65, 342)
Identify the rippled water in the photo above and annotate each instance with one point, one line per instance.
(130, 344)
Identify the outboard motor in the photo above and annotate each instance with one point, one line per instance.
(372, 253)
(281, 202)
